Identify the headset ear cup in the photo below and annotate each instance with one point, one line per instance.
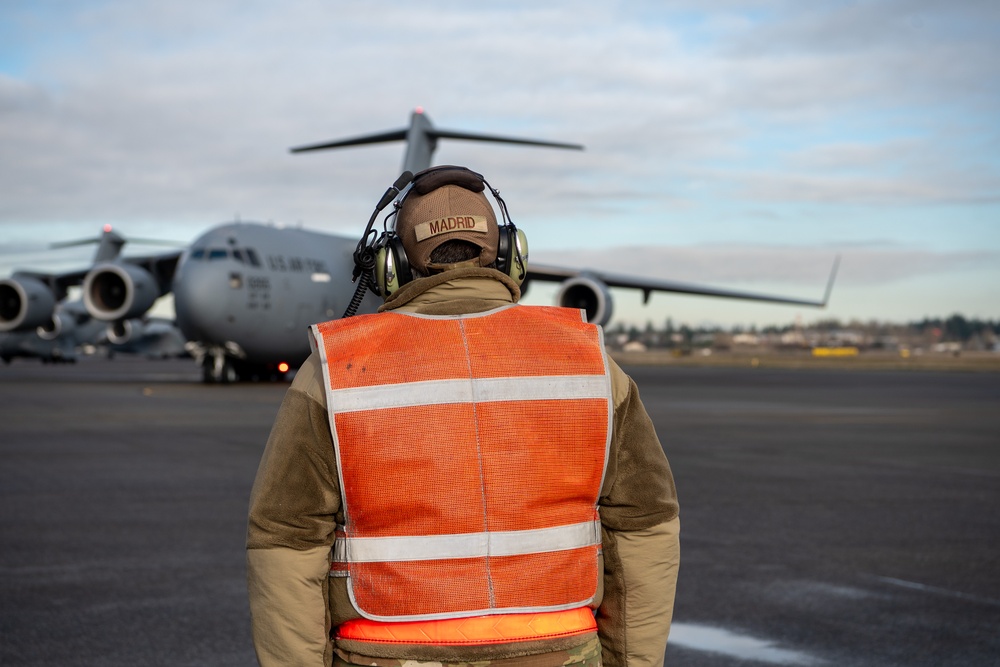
(403, 273)
(512, 253)
(503, 250)
(512, 247)
(382, 270)
(392, 269)
(519, 258)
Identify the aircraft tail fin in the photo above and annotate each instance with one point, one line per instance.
(109, 245)
(421, 141)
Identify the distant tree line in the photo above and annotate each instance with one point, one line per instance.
(956, 328)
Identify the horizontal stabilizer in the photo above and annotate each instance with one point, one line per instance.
(421, 139)
(382, 137)
(469, 136)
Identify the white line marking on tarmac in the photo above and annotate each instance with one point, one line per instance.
(745, 647)
(938, 591)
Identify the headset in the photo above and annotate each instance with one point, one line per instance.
(383, 260)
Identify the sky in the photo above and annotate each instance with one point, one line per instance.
(735, 143)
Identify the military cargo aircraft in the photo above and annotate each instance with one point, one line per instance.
(30, 327)
(69, 328)
(245, 292)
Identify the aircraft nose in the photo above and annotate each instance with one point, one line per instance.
(199, 301)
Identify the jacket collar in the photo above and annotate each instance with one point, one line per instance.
(455, 292)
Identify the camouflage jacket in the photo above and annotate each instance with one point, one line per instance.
(295, 505)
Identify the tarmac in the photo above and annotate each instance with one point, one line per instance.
(828, 517)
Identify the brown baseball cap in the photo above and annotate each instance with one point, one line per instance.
(446, 204)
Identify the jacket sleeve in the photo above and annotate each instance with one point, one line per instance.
(290, 532)
(640, 531)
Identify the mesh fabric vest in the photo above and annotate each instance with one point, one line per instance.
(471, 452)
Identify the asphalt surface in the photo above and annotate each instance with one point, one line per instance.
(828, 518)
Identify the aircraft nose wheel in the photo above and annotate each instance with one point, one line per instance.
(218, 369)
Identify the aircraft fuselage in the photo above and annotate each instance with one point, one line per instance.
(250, 291)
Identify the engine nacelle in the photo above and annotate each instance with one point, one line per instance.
(120, 332)
(25, 303)
(590, 295)
(59, 324)
(119, 291)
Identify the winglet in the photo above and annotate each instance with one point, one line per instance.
(829, 284)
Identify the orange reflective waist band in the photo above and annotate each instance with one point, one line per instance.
(495, 629)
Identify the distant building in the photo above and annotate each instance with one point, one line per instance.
(634, 346)
(746, 339)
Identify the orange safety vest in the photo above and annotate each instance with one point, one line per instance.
(471, 451)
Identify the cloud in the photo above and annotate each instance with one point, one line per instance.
(149, 113)
(855, 154)
(876, 190)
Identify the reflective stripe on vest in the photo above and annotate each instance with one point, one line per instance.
(465, 545)
(467, 390)
(471, 453)
(478, 630)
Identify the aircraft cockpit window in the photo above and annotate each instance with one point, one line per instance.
(246, 256)
(198, 253)
(217, 253)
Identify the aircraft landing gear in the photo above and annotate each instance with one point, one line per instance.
(218, 369)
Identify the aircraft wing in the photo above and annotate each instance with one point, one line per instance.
(550, 273)
(161, 266)
(58, 283)
(115, 289)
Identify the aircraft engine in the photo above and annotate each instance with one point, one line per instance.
(59, 324)
(119, 291)
(25, 303)
(589, 294)
(120, 332)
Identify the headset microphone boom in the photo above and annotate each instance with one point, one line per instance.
(364, 254)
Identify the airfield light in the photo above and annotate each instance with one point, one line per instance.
(283, 367)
